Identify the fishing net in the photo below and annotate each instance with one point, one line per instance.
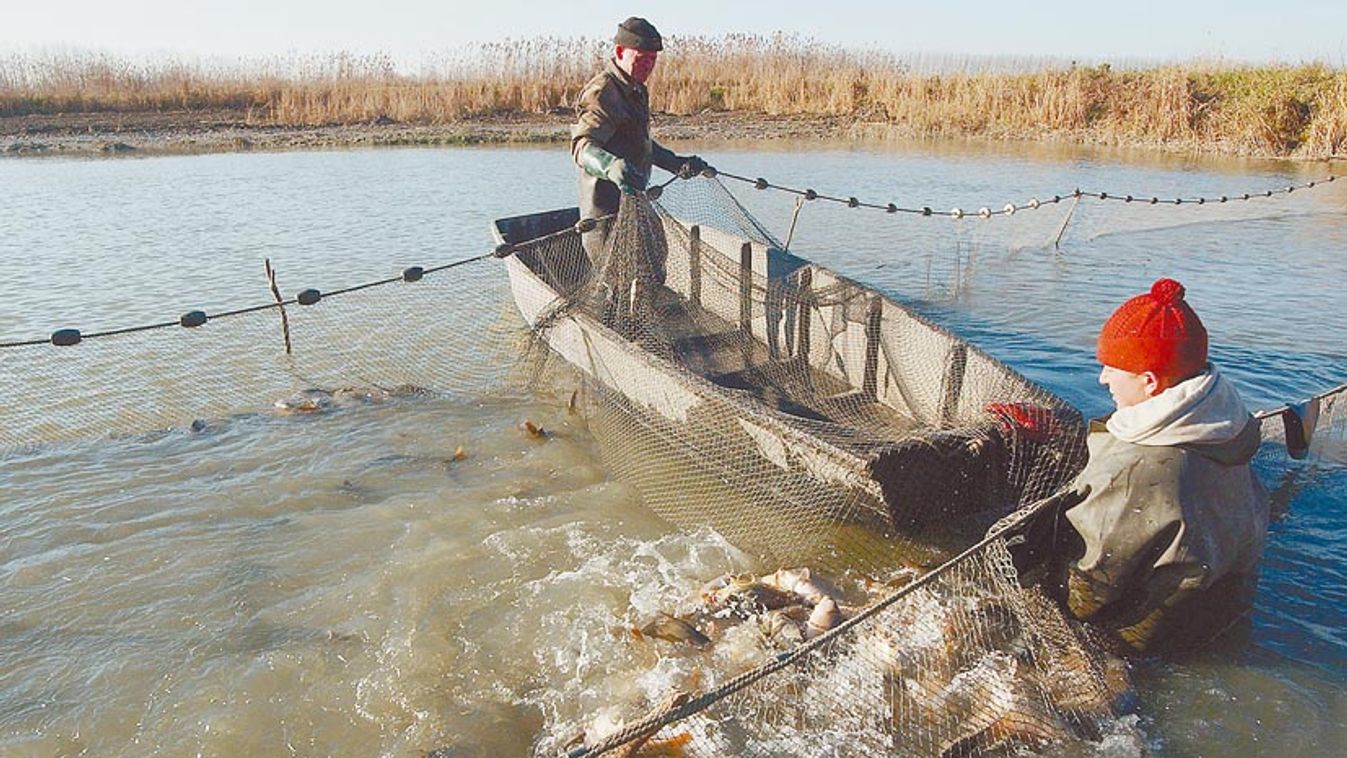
(854, 452)
(847, 445)
(349, 348)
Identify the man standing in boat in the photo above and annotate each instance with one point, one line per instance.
(1163, 551)
(610, 141)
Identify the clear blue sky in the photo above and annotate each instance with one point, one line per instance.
(1283, 30)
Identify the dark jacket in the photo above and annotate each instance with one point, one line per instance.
(614, 113)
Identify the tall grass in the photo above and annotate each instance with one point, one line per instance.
(1262, 110)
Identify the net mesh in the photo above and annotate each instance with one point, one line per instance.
(846, 444)
(801, 402)
(851, 449)
(353, 349)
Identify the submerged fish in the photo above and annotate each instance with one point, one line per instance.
(896, 581)
(407, 390)
(994, 708)
(358, 395)
(781, 627)
(988, 624)
(305, 401)
(315, 399)
(644, 747)
(533, 431)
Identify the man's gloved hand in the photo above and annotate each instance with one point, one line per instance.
(627, 176)
(600, 163)
(692, 165)
(682, 166)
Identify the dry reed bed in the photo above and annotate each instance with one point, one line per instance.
(1254, 110)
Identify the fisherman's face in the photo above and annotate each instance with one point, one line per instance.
(1128, 389)
(637, 63)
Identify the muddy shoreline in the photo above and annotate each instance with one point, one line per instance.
(216, 131)
(179, 132)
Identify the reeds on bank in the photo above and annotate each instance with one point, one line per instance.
(1210, 106)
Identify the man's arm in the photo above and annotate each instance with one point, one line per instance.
(675, 164)
(592, 130)
(594, 124)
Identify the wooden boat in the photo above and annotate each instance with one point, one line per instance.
(895, 418)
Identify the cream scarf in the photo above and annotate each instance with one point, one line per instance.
(1203, 409)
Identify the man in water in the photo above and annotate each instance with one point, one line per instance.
(610, 141)
(1167, 541)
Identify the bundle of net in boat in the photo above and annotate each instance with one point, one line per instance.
(845, 443)
(448, 334)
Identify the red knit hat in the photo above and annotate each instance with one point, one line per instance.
(1155, 331)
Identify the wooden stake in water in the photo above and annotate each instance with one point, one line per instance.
(1057, 243)
(280, 303)
(794, 218)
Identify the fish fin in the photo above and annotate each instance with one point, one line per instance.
(633, 748)
(671, 747)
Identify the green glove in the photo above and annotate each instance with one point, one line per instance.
(600, 163)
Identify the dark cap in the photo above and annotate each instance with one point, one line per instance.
(638, 33)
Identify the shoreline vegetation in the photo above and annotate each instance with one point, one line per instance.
(733, 86)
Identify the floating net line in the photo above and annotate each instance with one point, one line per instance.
(1033, 203)
(856, 452)
(348, 347)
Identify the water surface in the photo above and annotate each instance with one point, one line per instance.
(343, 585)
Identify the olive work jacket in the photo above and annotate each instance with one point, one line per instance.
(1171, 535)
(614, 113)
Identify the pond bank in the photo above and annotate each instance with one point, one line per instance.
(211, 131)
(235, 130)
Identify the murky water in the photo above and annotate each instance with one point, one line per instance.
(342, 585)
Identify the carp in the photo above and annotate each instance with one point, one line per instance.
(825, 616)
(781, 627)
(804, 584)
(745, 593)
(305, 401)
(673, 629)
